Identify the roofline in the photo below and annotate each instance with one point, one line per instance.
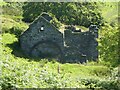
(40, 16)
(36, 20)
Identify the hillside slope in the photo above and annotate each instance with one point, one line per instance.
(19, 71)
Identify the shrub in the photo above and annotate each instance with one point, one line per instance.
(103, 84)
(108, 45)
(13, 27)
(55, 22)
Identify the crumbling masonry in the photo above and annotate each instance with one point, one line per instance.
(44, 40)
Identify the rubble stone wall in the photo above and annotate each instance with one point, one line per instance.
(43, 40)
(80, 46)
(33, 39)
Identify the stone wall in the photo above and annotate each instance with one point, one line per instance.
(36, 42)
(43, 40)
(80, 46)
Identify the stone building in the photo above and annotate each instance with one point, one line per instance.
(44, 40)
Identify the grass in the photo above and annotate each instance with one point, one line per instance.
(109, 11)
(9, 23)
(80, 69)
(24, 72)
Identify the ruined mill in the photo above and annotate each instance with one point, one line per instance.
(43, 40)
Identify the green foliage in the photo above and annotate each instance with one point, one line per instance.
(29, 73)
(67, 13)
(18, 71)
(11, 26)
(109, 11)
(3, 3)
(108, 45)
(12, 8)
(55, 22)
(107, 85)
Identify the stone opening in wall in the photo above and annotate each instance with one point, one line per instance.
(42, 28)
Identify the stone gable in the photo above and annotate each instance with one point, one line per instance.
(44, 40)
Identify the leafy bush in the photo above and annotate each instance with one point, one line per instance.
(115, 74)
(11, 26)
(55, 22)
(102, 84)
(108, 45)
(12, 8)
(109, 85)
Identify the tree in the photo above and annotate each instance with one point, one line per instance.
(67, 12)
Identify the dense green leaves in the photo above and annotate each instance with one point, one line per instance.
(82, 14)
(12, 8)
(18, 71)
(108, 45)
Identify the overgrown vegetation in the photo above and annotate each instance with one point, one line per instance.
(108, 45)
(82, 14)
(19, 71)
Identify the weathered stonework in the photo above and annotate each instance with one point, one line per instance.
(44, 40)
